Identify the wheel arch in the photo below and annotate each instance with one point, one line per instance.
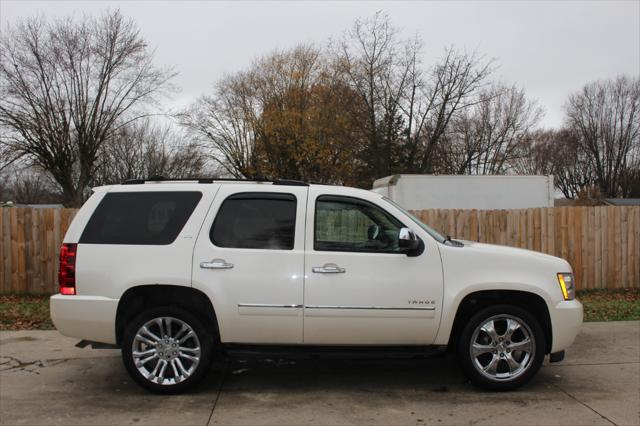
(139, 298)
(473, 302)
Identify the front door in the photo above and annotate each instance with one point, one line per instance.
(360, 287)
(249, 260)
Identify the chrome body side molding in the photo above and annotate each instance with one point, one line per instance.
(386, 308)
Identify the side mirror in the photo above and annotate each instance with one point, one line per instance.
(408, 241)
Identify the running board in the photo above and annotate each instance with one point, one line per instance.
(336, 352)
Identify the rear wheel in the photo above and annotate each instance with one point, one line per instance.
(166, 350)
(501, 347)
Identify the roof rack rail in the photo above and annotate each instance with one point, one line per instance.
(156, 178)
(290, 182)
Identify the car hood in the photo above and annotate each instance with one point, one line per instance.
(489, 265)
(494, 250)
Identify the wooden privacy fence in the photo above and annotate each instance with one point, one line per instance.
(29, 247)
(601, 243)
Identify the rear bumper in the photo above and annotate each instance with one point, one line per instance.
(566, 319)
(85, 317)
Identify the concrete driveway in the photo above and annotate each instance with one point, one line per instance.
(44, 379)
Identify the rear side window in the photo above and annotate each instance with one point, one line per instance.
(147, 218)
(256, 220)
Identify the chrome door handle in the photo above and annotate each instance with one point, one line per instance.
(328, 268)
(216, 264)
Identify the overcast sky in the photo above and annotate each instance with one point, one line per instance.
(551, 48)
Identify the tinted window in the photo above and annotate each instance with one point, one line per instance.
(349, 224)
(256, 221)
(152, 218)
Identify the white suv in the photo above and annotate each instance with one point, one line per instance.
(174, 272)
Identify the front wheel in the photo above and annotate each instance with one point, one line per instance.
(166, 350)
(501, 347)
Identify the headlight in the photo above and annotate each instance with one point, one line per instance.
(567, 285)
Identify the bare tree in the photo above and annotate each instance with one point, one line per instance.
(28, 185)
(558, 153)
(605, 116)
(379, 68)
(226, 121)
(451, 87)
(145, 149)
(68, 86)
(631, 176)
(535, 153)
(286, 116)
(484, 138)
(407, 109)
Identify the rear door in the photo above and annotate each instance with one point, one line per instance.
(249, 260)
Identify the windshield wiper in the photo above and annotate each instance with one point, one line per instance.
(453, 243)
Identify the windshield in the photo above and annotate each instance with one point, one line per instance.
(431, 231)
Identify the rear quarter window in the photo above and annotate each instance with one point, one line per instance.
(146, 218)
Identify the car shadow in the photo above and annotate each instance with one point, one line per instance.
(438, 375)
(276, 375)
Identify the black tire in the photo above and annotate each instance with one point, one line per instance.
(206, 343)
(468, 363)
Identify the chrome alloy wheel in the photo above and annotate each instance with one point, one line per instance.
(166, 350)
(502, 347)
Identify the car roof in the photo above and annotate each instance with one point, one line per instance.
(201, 183)
(161, 179)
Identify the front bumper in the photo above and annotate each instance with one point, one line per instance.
(566, 319)
(85, 317)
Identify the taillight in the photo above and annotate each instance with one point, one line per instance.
(67, 271)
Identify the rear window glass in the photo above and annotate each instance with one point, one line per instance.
(256, 221)
(149, 218)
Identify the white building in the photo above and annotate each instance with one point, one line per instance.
(417, 192)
